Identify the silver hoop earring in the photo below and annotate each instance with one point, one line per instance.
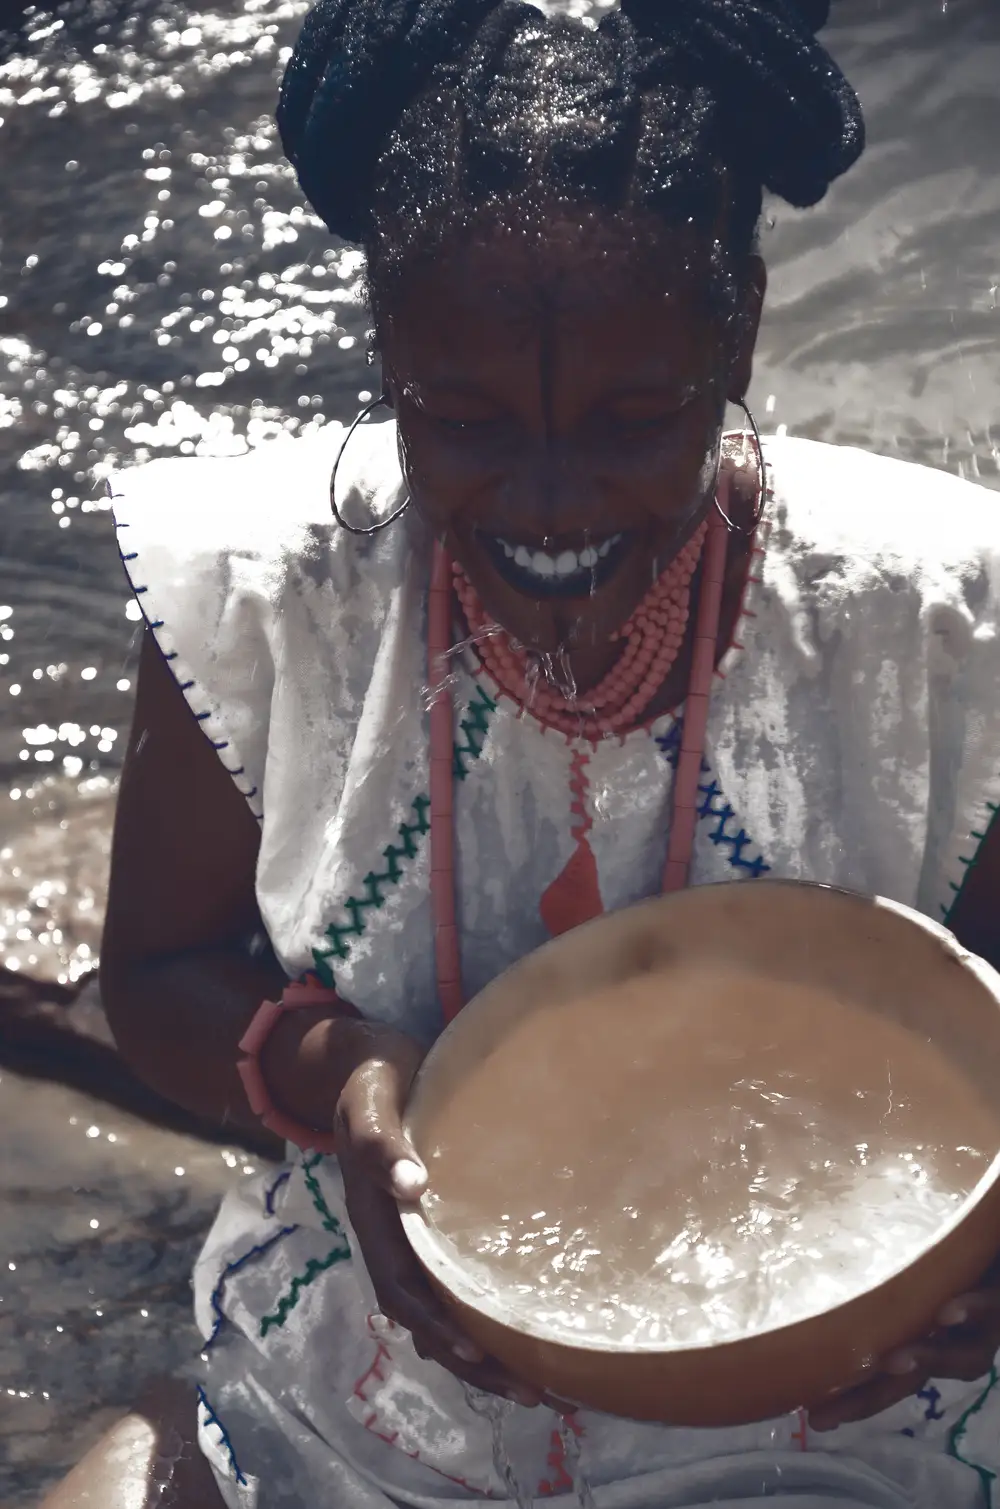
(758, 512)
(369, 529)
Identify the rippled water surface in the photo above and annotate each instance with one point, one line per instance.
(163, 291)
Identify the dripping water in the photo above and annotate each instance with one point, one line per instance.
(570, 1442)
(497, 1412)
(451, 662)
(593, 568)
(556, 669)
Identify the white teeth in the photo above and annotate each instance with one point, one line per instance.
(542, 564)
(567, 563)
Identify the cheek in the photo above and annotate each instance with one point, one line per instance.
(688, 471)
(450, 477)
(427, 482)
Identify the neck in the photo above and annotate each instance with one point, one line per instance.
(597, 691)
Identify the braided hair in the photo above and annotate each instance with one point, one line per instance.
(405, 118)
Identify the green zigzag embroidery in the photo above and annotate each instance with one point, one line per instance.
(315, 1266)
(326, 1215)
(341, 935)
(313, 1269)
(986, 1477)
(474, 726)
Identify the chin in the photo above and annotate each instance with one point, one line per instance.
(571, 609)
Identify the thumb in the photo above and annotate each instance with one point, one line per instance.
(370, 1116)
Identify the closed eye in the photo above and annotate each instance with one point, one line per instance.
(456, 411)
(645, 421)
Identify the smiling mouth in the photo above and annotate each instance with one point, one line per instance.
(557, 573)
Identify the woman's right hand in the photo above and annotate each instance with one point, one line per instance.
(380, 1166)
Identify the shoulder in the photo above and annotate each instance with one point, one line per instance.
(233, 558)
(870, 518)
(248, 585)
(267, 504)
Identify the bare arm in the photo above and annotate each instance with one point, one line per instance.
(186, 963)
(185, 959)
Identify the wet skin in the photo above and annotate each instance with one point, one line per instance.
(564, 399)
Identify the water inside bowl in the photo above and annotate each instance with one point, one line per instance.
(697, 1155)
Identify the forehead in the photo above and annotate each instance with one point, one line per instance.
(591, 293)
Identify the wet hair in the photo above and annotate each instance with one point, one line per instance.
(408, 119)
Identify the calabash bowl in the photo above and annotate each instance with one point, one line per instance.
(883, 958)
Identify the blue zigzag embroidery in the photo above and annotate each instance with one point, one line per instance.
(931, 1397)
(742, 851)
(258, 1250)
(211, 1418)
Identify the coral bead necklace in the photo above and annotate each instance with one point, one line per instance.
(653, 638)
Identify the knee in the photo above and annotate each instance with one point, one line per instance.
(149, 1460)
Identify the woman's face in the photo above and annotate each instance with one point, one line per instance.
(560, 405)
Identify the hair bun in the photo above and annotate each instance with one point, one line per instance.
(356, 67)
(666, 15)
(793, 119)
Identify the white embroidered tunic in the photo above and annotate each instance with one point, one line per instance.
(853, 738)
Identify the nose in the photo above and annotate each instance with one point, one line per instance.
(548, 487)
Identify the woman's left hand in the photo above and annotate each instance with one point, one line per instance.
(963, 1346)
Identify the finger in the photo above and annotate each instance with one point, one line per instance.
(489, 1375)
(402, 1290)
(415, 1314)
(369, 1121)
(880, 1393)
(969, 1344)
(964, 1358)
(417, 1309)
(970, 1309)
(983, 1301)
(560, 1406)
(437, 1338)
(418, 1314)
(405, 1296)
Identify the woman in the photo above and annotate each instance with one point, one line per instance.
(559, 225)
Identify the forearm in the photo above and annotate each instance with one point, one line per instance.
(178, 1022)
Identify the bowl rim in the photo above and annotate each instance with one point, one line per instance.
(438, 1256)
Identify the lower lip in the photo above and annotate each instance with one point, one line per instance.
(580, 584)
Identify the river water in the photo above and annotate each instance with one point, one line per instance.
(162, 291)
